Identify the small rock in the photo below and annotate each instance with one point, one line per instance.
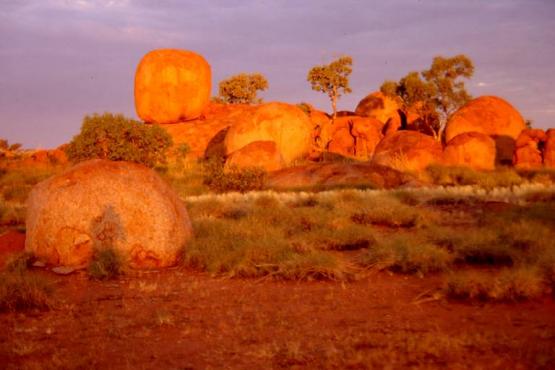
(63, 270)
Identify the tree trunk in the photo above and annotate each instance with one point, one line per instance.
(333, 98)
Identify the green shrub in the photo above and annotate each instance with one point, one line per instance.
(106, 264)
(233, 178)
(117, 138)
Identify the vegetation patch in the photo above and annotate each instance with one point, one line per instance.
(23, 290)
(106, 264)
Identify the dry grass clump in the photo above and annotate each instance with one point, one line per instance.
(508, 285)
(503, 177)
(407, 255)
(106, 264)
(22, 290)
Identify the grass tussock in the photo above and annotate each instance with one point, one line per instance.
(22, 290)
(105, 265)
(508, 285)
(451, 176)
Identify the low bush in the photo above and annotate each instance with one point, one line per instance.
(502, 177)
(106, 264)
(117, 138)
(233, 178)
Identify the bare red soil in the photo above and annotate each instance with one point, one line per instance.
(11, 242)
(183, 320)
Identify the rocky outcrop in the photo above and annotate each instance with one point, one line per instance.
(329, 175)
(354, 137)
(286, 125)
(171, 86)
(105, 204)
(378, 106)
(470, 149)
(408, 151)
(264, 154)
(528, 149)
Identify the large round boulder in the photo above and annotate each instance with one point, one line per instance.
(172, 85)
(103, 204)
(408, 151)
(286, 125)
(264, 154)
(471, 149)
(489, 115)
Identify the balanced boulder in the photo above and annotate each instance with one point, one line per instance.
(470, 149)
(528, 148)
(264, 154)
(171, 86)
(286, 125)
(489, 115)
(378, 106)
(103, 204)
(408, 151)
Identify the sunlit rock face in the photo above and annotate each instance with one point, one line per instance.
(470, 149)
(172, 85)
(354, 137)
(286, 125)
(528, 148)
(489, 115)
(408, 151)
(105, 204)
(263, 154)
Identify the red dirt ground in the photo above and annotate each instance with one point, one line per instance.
(179, 319)
(11, 242)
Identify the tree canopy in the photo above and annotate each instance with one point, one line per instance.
(242, 88)
(434, 94)
(332, 79)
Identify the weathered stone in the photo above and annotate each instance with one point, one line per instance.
(171, 86)
(528, 148)
(286, 125)
(471, 149)
(104, 204)
(408, 151)
(264, 154)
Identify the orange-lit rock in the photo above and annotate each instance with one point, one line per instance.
(100, 204)
(528, 148)
(286, 125)
(172, 85)
(264, 154)
(205, 137)
(489, 115)
(471, 149)
(408, 151)
(355, 137)
(549, 149)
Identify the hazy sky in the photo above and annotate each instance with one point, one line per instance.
(62, 59)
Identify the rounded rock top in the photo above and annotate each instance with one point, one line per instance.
(172, 85)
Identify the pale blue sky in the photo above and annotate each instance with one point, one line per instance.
(62, 59)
